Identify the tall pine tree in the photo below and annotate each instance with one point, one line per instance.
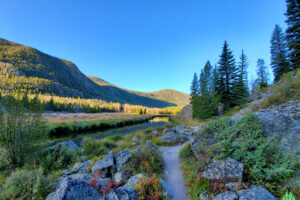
(279, 61)
(227, 76)
(293, 31)
(240, 89)
(206, 85)
(262, 74)
(195, 85)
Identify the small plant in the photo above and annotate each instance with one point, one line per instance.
(150, 189)
(288, 196)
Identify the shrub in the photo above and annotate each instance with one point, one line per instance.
(109, 145)
(26, 184)
(147, 162)
(20, 129)
(191, 167)
(94, 148)
(115, 138)
(57, 157)
(149, 188)
(244, 141)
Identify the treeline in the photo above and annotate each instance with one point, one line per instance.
(226, 85)
(68, 104)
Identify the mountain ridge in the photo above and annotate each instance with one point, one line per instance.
(24, 68)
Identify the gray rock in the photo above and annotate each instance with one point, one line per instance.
(225, 171)
(127, 191)
(70, 145)
(120, 177)
(203, 197)
(167, 188)
(101, 182)
(283, 121)
(155, 133)
(170, 136)
(186, 113)
(137, 139)
(122, 159)
(71, 189)
(256, 193)
(82, 167)
(179, 128)
(105, 166)
(228, 195)
(150, 144)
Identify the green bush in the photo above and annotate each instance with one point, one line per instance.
(115, 138)
(244, 141)
(146, 161)
(109, 145)
(57, 157)
(26, 184)
(94, 148)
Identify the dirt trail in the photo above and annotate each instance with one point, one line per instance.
(173, 172)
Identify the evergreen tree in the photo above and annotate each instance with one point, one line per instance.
(195, 85)
(215, 81)
(227, 76)
(279, 61)
(206, 80)
(293, 31)
(240, 89)
(262, 74)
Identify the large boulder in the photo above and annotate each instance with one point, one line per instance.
(127, 190)
(70, 145)
(105, 167)
(255, 193)
(80, 167)
(283, 121)
(228, 195)
(71, 189)
(186, 112)
(228, 172)
(121, 177)
(170, 136)
(122, 158)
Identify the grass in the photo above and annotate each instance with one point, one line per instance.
(59, 118)
(193, 122)
(74, 128)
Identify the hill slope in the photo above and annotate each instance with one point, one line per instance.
(26, 69)
(168, 95)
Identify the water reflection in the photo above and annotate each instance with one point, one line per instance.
(154, 123)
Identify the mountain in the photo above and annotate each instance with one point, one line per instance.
(23, 68)
(168, 95)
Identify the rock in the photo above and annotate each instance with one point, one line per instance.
(283, 121)
(121, 177)
(127, 191)
(122, 158)
(255, 193)
(170, 136)
(179, 128)
(155, 133)
(227, 171)
(186, 113)
(150, 144)
(203, 197)
(70, 145)
(105, 166)
(101, 182)
(167, 188)
(137, 139)
(82, 167)
(74, 189)
(228, 195)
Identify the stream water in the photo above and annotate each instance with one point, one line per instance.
(154, 123)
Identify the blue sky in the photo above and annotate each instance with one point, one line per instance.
(143, 45)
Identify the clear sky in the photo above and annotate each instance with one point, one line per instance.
(143, 45)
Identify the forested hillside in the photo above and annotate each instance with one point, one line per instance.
(168, 95)
(25, 69)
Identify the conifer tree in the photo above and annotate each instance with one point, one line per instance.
(240, 89)
(206, 80)
(195, 85)
(293, 31)
(279, 61)
(262, 74)
(227, 76)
